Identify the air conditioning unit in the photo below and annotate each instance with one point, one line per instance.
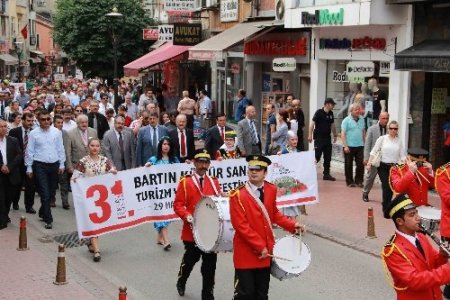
(279, 10)
(212, 3)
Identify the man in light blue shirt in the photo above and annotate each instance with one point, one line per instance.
(352, 135)
(44, 159)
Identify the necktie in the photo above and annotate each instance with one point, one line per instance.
(261, 194)
(94, 123)
(121, 144)
(155, 141)
(1, 159)
(84, 136)
(419, 247)
(25, 141)
(254, 134)
(182, 144)
(200, 180)
(222, 134)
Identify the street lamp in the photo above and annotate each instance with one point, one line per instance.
(114, 15)
(18, 47)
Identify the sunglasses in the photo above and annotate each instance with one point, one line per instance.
(78, 110)
(45, 119)
(393, 128)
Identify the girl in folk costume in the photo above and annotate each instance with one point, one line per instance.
(229, 149)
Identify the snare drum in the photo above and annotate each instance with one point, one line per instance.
(212, 227)
(430, 217)
(290, 259)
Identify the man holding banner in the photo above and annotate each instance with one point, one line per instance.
(190, 190)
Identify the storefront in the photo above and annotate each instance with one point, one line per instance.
(429, 61)
(350, 44)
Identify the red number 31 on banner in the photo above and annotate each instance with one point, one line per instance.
(102, 200)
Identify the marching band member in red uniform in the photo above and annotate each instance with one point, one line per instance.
(442, 184)
(190, 190)
(416, 268)
(253, 209)
(414, 178)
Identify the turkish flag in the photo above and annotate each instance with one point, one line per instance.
(24, 32)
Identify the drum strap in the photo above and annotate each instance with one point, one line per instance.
(211, 181)
(261, 206)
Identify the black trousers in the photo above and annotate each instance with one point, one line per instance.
(30, 190)
(357, 154)
(251, 284)
(383, 173)
(7, 195)
(300, 144)
(323, 145)
(191, 256)
(46, 178)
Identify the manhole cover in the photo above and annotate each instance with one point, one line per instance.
(69, 240)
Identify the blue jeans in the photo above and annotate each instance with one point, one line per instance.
(46, 178)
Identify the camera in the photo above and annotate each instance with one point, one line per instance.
(419, 164)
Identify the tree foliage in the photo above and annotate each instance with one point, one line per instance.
(84, 32)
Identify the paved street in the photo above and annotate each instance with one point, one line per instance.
(344, 264)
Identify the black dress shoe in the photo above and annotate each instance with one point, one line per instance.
(48, 226)
(9, 220)
(31, 211)
(3, 226)
(180, 288)
(15, 206)
(365, 197)
(329, 177)
(66, 206)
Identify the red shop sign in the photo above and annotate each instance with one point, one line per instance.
(277, 47)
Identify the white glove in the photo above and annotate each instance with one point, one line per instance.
(190, 219)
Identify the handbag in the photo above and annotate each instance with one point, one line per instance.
(376, 160)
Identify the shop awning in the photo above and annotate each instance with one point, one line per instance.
(35, 60)
(427, 56)
(163, 53)
(37, 52)
(212, 49)
(9, 60)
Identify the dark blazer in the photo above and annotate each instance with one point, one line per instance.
(119, 99)
(144, 146)
(18, 134)
(173, 134)
(214, 140)
(14, 163)
(102, 124)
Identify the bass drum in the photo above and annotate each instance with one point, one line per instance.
(430, 217)
(212, 227)
(291, 258)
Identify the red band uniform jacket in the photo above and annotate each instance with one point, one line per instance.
(415, 277)
(442, 183)
(252, 231)
(187, 196)
(404, 181)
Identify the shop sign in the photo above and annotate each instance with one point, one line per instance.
(284, 64)
(340, 77)
(206, 55)
(187, 34)
(179, 16)
(229, 10)
(357, 44)
(235, 68)
(385, 68)
(150, 34)
(274, 48)
(165, 33)
(323, 17)
(180, 5)
(438, 101)
(360, 69)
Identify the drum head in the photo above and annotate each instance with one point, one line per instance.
(429, 212)
(289, 247)
(206, 224)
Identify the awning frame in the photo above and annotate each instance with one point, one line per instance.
(426, 56)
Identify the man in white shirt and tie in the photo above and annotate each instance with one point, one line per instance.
(247, 133)
(148, 138)
(216, 135)
(182, 139)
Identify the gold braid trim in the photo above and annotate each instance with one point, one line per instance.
(390, 182)
(386, 270)
(439, 172)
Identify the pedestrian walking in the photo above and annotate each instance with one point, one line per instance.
(416, 268)
(191, 189)
(215, 136)
(44, 160)
(165, 155)
(241, 105)
(63, 179)
(373, 133)
(97, 120)
(279, 137)
(182, 139)
(322, 125)
(300, 117)
(352, 135)
(188, 107)
(147, 139)
(271, 125)
(253, 210)
(91, 165)
(248, 139)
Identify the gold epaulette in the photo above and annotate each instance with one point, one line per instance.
(390, 242)
(388, 249)
(235, 191)
(442, 169)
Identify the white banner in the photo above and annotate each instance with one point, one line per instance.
(110, 202)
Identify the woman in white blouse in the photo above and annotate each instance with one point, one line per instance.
(392, 152)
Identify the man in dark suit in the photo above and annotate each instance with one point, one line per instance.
(21, 134)
(118, 145)
(119, 98)
(300, 117)
(216, 135)
(182, 139)
(97, 120)
(248, 139)
(11, 160)
(148, 139)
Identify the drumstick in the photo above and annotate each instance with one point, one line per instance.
(299, 236)
(278, 257)
(423, 176)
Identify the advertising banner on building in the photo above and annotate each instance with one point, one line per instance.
(187, 34)
(150, 34)
(109, 203)
(180, 5)
(165, 33)
(229, 10)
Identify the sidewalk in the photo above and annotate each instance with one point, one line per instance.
(341, 215)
